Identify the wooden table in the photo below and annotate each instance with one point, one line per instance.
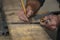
(26, 31)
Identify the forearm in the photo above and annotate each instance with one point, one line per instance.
(34, 4)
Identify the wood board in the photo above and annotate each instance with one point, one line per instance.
(27, 32)
(13, 6)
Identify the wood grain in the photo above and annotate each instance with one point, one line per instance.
(27, 32)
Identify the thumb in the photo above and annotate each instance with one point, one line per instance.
(29, 11)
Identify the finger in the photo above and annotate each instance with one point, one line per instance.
(29, 13)
(23, 19)
(22, 16)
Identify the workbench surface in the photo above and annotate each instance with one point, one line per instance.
(26, 31)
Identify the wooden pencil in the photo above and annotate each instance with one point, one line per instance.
(23, 6)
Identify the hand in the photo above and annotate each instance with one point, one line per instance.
(22, 15)
(50, 22)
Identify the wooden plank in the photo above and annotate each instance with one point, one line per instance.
(12, 7)
(12, 17)
(5, 38)
(50, 5)
(11, 4)
(27, 32)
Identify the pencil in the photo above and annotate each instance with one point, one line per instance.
(23, 6)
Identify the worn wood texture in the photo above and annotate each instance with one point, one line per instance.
(5, 38)
(10, 5)
(26, 31)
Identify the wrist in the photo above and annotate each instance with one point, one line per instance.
(30, 8)
(34, 5)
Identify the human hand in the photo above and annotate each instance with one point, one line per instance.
(24, 17)
(50, 22)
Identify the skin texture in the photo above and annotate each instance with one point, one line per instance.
(51, 22)
(24, 17)
(31, 6)
(35, 4)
